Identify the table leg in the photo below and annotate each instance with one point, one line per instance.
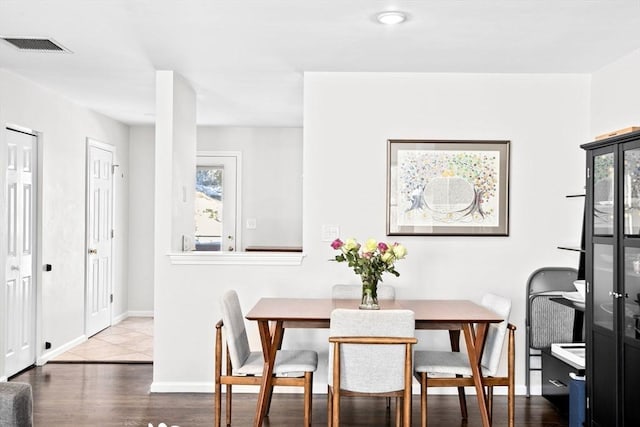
(270, 340)
(454, 339)
(475, 345)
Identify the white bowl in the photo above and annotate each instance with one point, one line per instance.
(580, 287)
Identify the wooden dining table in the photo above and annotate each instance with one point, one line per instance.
(274, 315)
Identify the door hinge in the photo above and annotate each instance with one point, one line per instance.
(111, 298)
(588, 173)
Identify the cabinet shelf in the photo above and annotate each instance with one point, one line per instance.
(571, 248)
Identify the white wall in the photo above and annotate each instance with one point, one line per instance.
(348, 119)
(141, 202)
(615, 95)
(64, 127)
(271, 180)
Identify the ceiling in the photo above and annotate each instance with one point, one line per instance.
(246, 58)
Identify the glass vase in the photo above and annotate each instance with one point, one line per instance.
(369, 295)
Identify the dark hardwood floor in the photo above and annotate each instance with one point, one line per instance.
(104, 395)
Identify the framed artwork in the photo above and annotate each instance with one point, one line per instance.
(447, 188)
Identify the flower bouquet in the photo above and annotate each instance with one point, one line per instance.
(369, 262)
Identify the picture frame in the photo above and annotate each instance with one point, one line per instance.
(447, 188)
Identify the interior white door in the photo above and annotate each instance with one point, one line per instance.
(20, 289)
(216, 204)
(99, 236)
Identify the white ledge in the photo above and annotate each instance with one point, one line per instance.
(236, 258)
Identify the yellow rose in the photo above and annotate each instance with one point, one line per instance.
(351, 244)
(399, 251)
(387, 257)
(370, 245)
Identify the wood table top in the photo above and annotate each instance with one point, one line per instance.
(425, 310)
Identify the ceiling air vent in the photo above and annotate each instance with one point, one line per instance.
(35, 44)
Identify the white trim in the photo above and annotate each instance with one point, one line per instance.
(46, 357)
(236, 258)
(119, 318)
(140, 313)
(3, 379)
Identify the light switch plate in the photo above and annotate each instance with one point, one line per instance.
(330, 232)
(251, 224)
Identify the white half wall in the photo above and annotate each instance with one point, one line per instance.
(64, 128)
(348, 118)
(615, 95)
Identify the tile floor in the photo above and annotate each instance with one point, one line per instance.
(128, 341)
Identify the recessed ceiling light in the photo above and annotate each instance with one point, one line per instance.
(391, 18)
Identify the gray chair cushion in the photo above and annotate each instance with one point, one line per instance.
(16, 405)
(289, 363)
(449, 362)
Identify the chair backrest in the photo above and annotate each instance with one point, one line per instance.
(548, 322)
(549, 279)
(385, 292)
(496, 332)
(371, 368)
(236, 334)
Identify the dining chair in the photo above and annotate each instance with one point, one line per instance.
(244, 367)
(452, 369)
(547, 322)
(371, 354)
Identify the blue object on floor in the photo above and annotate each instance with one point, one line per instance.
(577, 403)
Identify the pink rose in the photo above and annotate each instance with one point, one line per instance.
(337, 244)
(382, 247)
(367, 255)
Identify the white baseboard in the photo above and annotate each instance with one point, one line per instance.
(44, 358)
(140, 313)
(120, 317)
(3, 379)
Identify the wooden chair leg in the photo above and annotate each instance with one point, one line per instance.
(490, 403)
(308, 398)
(229, 391)
(398, 412)
(462, 398)
(218, 404)
(228, 406)
(511, 356)
(423, 399)
(329, 407)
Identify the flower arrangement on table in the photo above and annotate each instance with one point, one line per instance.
(369, 261)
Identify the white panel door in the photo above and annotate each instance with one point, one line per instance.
(99, 237)
(20, 283)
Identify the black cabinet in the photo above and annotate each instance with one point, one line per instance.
(612, 316)
(556, 379)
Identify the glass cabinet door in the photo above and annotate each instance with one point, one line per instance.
(603, 192)
(632, 192)
(632, 292)
(603, 301)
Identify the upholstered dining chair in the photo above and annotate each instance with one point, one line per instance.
(385, 292)
(244, 367)
(452, 369)
(370, 354)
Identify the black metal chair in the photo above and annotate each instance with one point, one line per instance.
(546, 321)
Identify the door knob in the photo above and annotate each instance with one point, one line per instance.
(93, 251)
(615, 294)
